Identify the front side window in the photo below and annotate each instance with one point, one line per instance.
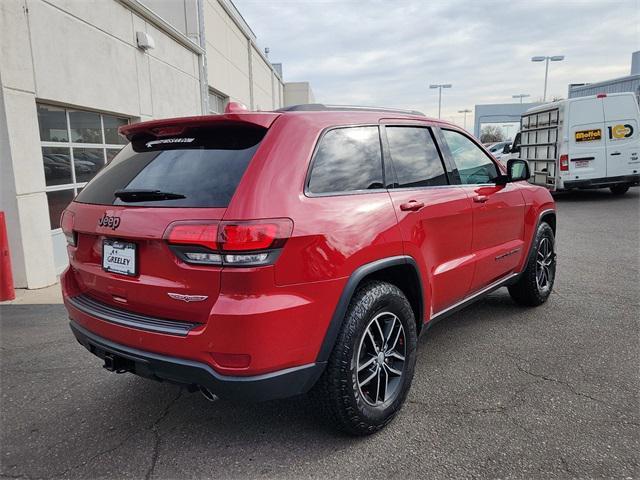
(347, 159)
(415, 157)
(474, 166)
(75, 144)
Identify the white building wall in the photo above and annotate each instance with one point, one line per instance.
(235, 66)
(83, 55)
(296, 93)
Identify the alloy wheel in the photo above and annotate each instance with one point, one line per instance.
(381, 359)
(544, 263)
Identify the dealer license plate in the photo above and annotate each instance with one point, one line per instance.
(119, 257)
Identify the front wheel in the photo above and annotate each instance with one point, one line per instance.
(619, 189)
(536, 282)
(371, 367)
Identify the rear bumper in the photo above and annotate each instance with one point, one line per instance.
(602, 182)
(269, 386)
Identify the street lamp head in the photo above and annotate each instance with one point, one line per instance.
(521, 95)
(446, 85)
(538, 59)
(557, 58)
(434, 86)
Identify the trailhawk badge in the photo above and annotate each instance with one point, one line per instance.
(188, 298)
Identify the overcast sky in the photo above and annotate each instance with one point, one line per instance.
(388, 52)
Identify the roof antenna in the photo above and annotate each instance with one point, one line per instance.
(266, 52)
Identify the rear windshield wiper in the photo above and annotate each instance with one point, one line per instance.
(143, 195)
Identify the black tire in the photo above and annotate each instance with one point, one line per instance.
(536, 282)
(345, 399)
(619, 189)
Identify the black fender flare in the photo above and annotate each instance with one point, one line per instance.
(350, 288)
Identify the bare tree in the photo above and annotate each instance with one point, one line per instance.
(491, 134)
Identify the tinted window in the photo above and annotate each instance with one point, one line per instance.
(205, 168)
(474, 166)
(347, 159)
(415, 157)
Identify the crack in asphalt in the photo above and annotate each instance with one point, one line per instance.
(554, 380)
(152, 428)
(566, 468)
(158, 437)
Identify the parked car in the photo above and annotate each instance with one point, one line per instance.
(497, 149)
(582, 143)
(261, 255)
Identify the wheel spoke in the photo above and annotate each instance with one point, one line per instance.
(379, 331)
(378, 386)
(373, 342)
(368, 379)
(392, 370)
(390, 332)
(395, 340)
(543, 278)
(395, 355)
(366, 364)
(386, 384)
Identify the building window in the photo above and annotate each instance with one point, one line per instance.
(75, 145)
(217, 102)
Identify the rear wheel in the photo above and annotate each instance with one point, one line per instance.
(371, 367)
(536, 282)
(619, 189)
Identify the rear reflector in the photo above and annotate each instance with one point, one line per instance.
(564, 163)
(232, 360)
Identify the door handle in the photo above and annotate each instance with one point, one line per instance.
(411, 205)
(615, 153)
(480, 198)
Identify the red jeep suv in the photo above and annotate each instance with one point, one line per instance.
(261, 255)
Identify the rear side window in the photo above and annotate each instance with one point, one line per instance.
(202, 169)
(415, 157)
(347, 159)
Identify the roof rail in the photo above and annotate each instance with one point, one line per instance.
(320, 107)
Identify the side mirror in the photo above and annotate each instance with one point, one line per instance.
(517, 170)
(506, 149)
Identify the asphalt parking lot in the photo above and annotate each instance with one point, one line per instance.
(499, 391)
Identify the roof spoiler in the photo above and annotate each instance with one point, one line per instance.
(234, 115)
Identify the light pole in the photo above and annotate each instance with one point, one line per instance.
(554, 58)
(521, 96)
(465, 111)
(440, 86)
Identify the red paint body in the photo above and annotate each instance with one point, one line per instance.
(278, 314)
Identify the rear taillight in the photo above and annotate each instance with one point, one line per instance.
(564, 163)
(242, 243)
(66, 223)
(194, 234)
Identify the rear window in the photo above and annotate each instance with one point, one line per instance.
(347, 159)
(202, 168)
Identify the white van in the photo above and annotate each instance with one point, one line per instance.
(584, 142)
